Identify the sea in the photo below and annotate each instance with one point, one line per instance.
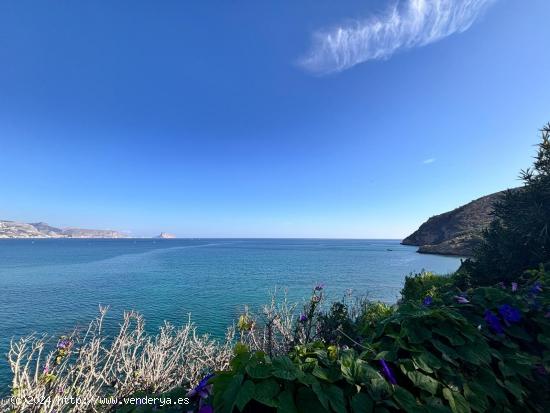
(54, 285)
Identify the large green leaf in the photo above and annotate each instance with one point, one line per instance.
(436, 405)
(506, 370)
(406, 365)
(258, 371)
(423, 381)
(327, 374)
(320, 393)
(245, 394)
(427, 361)
(486, 380)
(307, 379)
(514, 388)
(284, 368)
(361, 403)
(475, 394)
(378, 387)
(229, 396)
(352, 368)
(416, 332)
(307, 402)
(336, 398)
(456, 401)
(451, 333)
(406, 400)
(369, 373)
(446, 352)
(265, 392)
(475, 353)
(286, 403)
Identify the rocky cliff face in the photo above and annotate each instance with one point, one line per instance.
(12, 229)
(456, 232)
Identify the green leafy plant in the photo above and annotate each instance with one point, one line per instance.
(311, 378)
(418, 286)
(487, 349)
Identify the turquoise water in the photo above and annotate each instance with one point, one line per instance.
(52, 285)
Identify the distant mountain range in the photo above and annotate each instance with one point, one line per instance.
(457, 232)
(12, 229)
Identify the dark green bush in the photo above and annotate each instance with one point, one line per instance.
(519, 237)
(372, 313)
(418, 286)
(336, 325)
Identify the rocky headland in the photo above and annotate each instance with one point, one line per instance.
(457, 232)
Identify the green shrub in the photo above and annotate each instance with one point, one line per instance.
(485, 350)
(519, 237)
(336, 326)
(371, 314)
(312, 378)
(418, 286)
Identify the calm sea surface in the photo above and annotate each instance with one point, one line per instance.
(53, 285)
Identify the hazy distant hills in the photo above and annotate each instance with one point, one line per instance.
(456, 232)
(12, 229)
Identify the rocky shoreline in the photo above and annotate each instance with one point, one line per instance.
(457, 232)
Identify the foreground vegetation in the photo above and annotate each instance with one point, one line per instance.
(475, 341)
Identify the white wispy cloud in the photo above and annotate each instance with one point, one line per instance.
(428, 161)
(406, 24)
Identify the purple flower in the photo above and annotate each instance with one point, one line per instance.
(501, 285)
(387, 371)
(46, 369)
(319, 287)
(493, 322)
(202, 389)
(206, 409)
(315, 299)
(547, 315)
(536, 288)
(64, 344)
(302, 318)
(427, 301)
(461, 300)
(514, 287)
(509, 313)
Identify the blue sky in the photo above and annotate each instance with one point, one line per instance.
(281, 119)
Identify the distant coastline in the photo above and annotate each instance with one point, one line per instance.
(14, 229)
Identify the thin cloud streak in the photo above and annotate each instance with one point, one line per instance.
(428, 161)
(406, 24)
